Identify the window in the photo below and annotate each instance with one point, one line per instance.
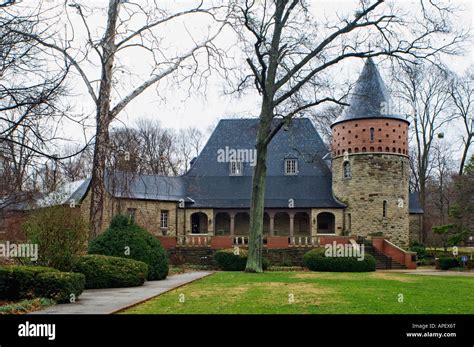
(291, 166)
(349, 221)
(131, 213)
(384, 212)
(372, 134)
(164, 214)
(236, 168)
(347, 169)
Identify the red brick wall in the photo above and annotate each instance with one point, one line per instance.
(390, 135)
(277, 242)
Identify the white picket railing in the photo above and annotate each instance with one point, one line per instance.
(304, 241)
(241, 240)
(194, 241)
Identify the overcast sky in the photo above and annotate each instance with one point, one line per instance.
(169, 102)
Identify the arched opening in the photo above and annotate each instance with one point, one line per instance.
(372, 149)
(222, 223)
(326, 223)
(356, 150)
(387, 149)
(379, 149)
(394, 150)
(364, 149)
(199, 223)
(241, 223)
(282, 224)
(301, 224)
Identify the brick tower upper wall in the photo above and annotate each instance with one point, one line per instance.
(381, 135)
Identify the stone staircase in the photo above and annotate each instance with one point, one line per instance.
(383, 262)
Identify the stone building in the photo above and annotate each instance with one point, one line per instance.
(359, 187)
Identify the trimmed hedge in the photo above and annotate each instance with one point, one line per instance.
(228, 261)
(28, 282)
(60, 286)
(315, 260)
(19, 282)
(446, 263)
(125, 239)
(103, 271)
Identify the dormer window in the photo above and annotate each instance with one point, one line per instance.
(236, 168)
(291, 166)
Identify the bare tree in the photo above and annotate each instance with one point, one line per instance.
(323, 120)
(290, 56)
(123, 33)
(425, 90)
(462, 96)
(190, 142)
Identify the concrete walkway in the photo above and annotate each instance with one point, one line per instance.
(107, 301)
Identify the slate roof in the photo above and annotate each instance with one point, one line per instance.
(414, 204)
(369, 95)
(146, 187)
(208, 182)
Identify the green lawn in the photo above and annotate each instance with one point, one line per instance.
(313, 292)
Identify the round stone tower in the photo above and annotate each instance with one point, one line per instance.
(370, 164)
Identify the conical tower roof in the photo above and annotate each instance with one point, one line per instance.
(370, 98)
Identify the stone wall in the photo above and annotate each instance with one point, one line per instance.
(147, 213)
(375, 178)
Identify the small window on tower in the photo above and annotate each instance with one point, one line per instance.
(347, 169)
(384, 213)
(372, 134)
(291, 166)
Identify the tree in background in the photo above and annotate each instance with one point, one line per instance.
(462, 97)
(461, 212)
(424, 88)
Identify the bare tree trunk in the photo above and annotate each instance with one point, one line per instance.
(103, 120)
(254, 259)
